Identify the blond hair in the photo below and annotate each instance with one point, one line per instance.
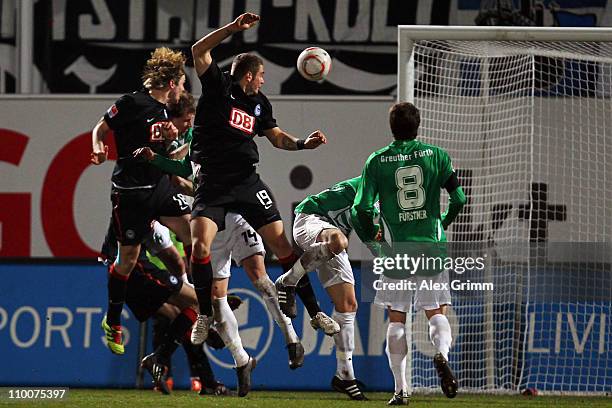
(165, 65)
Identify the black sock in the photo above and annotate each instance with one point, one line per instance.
(192, 358)
(161, 327)
(117, 287)
(176, 333)
(202, 274)
(305, 292)
(199, 366)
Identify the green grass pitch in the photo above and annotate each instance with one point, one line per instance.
(85, 398)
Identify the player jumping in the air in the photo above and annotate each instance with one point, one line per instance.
(323, 223)
(140, 192)
(155, 292)
(410, 206)
(240, 242)
(230, 113)
(159, 245)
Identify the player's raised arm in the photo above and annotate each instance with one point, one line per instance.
(201, 49)
(283, 140)
(98, 135)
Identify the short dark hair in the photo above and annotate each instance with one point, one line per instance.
(244, 63)
(404, 119)
(185, 104)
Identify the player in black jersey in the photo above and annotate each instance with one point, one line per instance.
(153, 292)
(230, 113)
(140, 191)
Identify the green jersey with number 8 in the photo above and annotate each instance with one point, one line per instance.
(406, 176)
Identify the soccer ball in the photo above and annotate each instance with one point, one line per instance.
(314, 64)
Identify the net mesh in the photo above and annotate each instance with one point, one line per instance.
(527, 125)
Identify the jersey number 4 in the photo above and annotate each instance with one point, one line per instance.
(411, 193)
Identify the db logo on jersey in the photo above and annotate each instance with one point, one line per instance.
(241, 120)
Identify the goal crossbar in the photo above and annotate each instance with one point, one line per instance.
(478, 33)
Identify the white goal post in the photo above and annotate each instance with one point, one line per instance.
(526, 115)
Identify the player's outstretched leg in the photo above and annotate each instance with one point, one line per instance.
(309, 261)
(274, 235)
(202, 284)
(203, 231)
(201, 371)
(227, 326)
(318, 319)
(117, 288)
(294, 347)
(287, 303)
(296, 277)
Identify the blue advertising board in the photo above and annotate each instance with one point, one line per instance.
(50, 335)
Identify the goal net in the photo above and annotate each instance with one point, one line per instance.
(526, 116)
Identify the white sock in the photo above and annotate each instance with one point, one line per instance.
(309, 261)
(293, 275)
(227, 327)
(267, 290)
(440, 334)
(397, 349)
(345, 344)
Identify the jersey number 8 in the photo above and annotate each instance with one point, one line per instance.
(411, 193)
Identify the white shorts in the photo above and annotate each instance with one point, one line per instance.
(158, 239)
(306, 230)
(424, 298)
(238, 241)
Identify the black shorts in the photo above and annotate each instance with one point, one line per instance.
(135, 210)
(251, 198)
(148, 288)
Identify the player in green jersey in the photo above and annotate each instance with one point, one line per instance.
(321, 227)
(406, 178)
